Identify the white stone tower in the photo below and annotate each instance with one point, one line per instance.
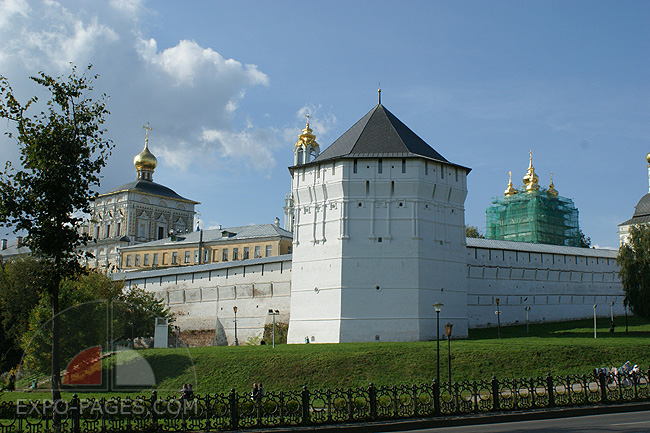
(379, 236)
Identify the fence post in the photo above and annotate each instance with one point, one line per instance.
(234, 412)
(154, 410)
(495, 393)
(305, 405)
(416, 403)
(603, 387)
(436, 396)
(74, 406)
(372, 395)
(550, 390)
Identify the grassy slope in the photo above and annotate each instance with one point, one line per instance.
(560, 348)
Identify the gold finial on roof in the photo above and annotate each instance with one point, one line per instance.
(531, 179)
(145, 160)
(379, 92)
(511, 189)
(551, 188)
(307, 138)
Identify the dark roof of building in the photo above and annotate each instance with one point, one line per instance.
(149, 187)
(641, 212)
(379, 134)
(226, 234)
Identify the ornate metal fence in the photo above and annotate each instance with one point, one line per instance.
(233, 411)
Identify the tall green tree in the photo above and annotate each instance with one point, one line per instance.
(473, 232)
(634, 263)
(62, 152)
(20, 279)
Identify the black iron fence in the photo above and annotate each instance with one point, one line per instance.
(233, 411)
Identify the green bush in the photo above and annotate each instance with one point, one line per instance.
(281, 330)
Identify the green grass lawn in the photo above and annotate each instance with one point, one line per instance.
(556, 348)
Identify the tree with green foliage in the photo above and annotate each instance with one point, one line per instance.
(20, 279)
(95, 311)
(634, 263)
(62, 151)
(585, 241)
(473, 232)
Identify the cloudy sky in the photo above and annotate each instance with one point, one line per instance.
(225, 87)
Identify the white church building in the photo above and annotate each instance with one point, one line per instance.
(379, 237)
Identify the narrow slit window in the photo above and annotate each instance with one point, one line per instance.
(403, 165)
(367, 188)
(354, 169)
(392, 188)
(379, 166)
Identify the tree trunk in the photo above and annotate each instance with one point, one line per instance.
(56, 369)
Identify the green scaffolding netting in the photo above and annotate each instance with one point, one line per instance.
(533, 216)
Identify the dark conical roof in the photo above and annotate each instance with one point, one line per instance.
(379, 134)
(641, 212)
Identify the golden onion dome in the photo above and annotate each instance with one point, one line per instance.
(531, 179)
(307, 138)
(511, 189)
(647, 158)
(551, 188)
(145, 160)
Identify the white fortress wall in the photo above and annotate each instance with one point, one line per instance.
(556, 282)
(202, 297)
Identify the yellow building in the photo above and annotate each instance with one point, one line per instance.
(209, 246)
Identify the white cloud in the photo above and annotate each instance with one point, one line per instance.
(10, 8)
(190, 94)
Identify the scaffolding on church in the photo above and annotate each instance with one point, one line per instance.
(534, 216)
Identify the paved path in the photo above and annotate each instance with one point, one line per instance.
(631, 422)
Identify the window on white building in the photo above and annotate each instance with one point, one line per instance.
(174, 258)
(137, 260)
(268, 251)
(155, 259)
(224, 255)
(145, 260)
(235, 253)
(196, 256)
(187, 256)
(258, 252)
(246, 253)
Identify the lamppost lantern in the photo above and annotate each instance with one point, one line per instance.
(438, 307)
(527, 309)
(448, 327)
(273, 313)
(496, 300)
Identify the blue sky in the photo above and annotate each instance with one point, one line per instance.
(225, 86)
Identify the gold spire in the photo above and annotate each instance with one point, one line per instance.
(379, 92)
(531, 179)
(145, 161)
(511, 189)
(551, 188)
(307, 138)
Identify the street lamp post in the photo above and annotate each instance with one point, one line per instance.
(527, 310)
(273, 313)
(498, 313)
(438, 306)
(625, 306)
(235, 310)
(595, 320)
(448, 332)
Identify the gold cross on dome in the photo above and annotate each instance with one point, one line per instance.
(147, 128)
